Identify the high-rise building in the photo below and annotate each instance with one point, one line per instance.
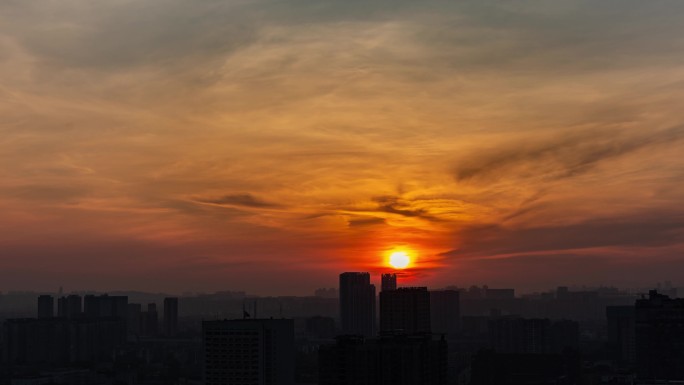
(406, 309)
(249, 352)
(150, 320)
(105, 306)
(357, 304)
(445, 311)
(46, 306)
(387, 360)
(659, 336)
(170, 316)
(532, 336)
(70, 306)
(320, 327)
(489, 367)
(389, 282)
(620, 331)
(61, 341)
(134, 318)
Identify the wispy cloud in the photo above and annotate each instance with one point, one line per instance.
(562, 156)
(322, 133)
(247, 200)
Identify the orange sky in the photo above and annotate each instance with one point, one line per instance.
(270, 145)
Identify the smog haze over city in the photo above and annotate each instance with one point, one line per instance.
(267, 146)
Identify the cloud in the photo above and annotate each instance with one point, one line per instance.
(217, 127)
(365, 221)
(245, 200)
(395, 205)
(561, 156)
(639, 230)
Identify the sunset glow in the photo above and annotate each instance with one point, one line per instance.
(399, 260)
(227, 143)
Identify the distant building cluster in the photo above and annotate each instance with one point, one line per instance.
(350, 335)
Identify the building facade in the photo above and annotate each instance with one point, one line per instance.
(659, 337)
(170, 316)
(357, 304)
(387, 360)
(405, 310)
(249, 352)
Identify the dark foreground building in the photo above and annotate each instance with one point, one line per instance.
(620, 332)
(445, 311)
(659, 336)
(61, 341)
(522, 335)
(492, 368)
(170, 316)
(249, 352)
(69, 307)
(388, 360)
(405, 310)
(46, 306)
(357, 304)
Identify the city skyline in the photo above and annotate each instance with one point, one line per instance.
(266, 146)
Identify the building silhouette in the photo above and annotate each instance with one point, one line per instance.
(320, 327)
(388, 360)
(170, 316)
(149, 321)
(61, 341)
(659, 337)
(134, 318)
(621, 323)
(406, 309)
(46, 306)
(494, 368)
(249, 352)
(538, 336)
(105, 306)
(445, 311)
(70, 306)
(357, 304)
(389, 282)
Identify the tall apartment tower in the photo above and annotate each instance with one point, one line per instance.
(387, 360)
(620, 332)
(170, 316)
(389, 282)
(134, 318)
(70, 306)
(405, 310)
(249, 352)
(46, 306)
(357, 304)
(659, 337)
(445, 311)
(105, 306)
(150, 320)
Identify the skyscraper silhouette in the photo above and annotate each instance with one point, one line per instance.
(389, 282)
(46, 306)
(406, 310)
(249, 352)
(105, 306)
(357, 304)
(170, 316)
(659, 336)
(70, 306)
(445, 311)
(387, 360)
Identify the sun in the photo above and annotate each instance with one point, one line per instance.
(399, 260)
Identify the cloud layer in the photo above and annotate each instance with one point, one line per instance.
(268, 145)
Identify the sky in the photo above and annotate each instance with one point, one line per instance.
(268, 145)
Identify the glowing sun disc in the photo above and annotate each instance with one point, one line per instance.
(399, 260)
